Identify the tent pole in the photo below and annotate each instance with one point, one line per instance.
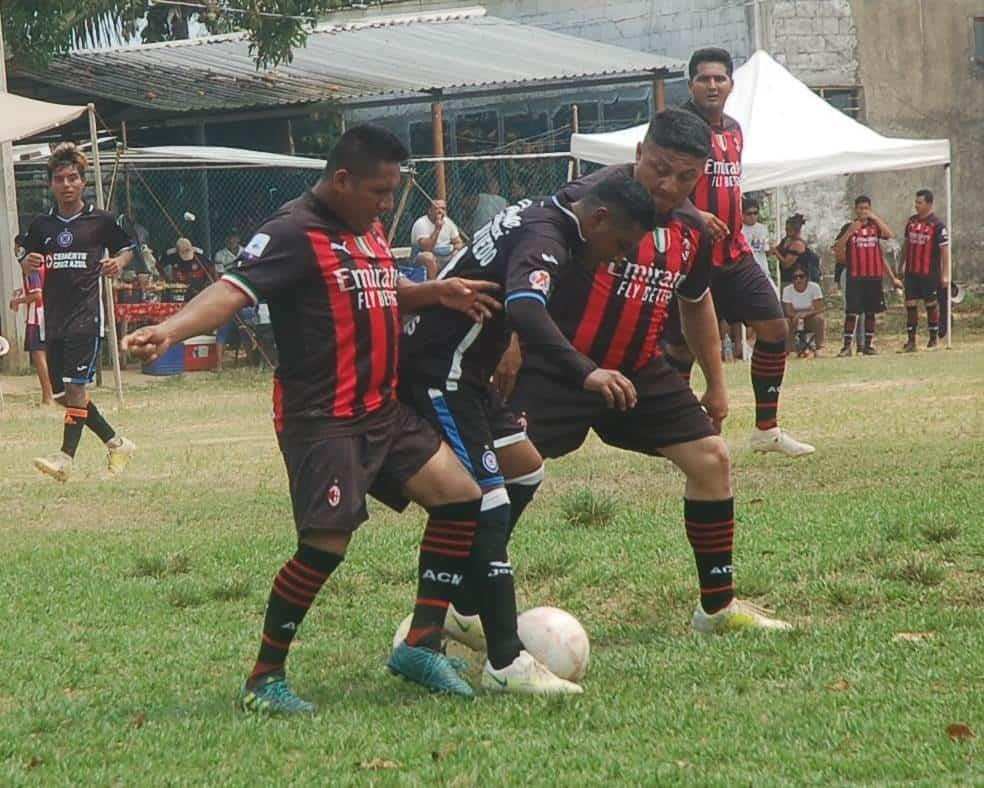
(110, 305)
(948, 273)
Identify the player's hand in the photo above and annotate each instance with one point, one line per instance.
(32, 262)
(470, 296)
(715, 227)
(110, 266)
(715, 403)
(504, 377)
(617, 389)
(148, 343)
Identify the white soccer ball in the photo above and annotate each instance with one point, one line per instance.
(557, 639)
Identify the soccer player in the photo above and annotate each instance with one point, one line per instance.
(323, 264)
(77, 245)
(31, 297)
(613, 315)
(447, 362)
(742, 291)
(859, 243)
(925, 256)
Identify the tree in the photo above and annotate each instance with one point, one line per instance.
(275, 27)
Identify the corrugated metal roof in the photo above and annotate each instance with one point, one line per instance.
(402, 57)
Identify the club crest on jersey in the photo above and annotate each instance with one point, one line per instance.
(687, 248)
(334, 496)
(540, 280)
(65, 238)
(490, 462)
(661, 239)
(256, 245)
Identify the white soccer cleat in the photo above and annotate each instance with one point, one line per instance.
(57, 466)
(467, 630)
(120, 456)
(526, 676)
(764, 441)
(737, 616)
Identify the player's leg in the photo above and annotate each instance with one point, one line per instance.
(931, 299)
(40, 360)
(911, 314)
(73, 362)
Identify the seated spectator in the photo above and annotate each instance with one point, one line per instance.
(185, 264)
(802, 302)
(435, 238)
(490, 202)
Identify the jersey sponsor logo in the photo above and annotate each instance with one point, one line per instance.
(334, 496)
(376, 286)
(448, 578)
(57, 261)
(540, 280)
(489, 461)
(65, 238)
(340, 247)
(257, 245)
(646, 283)
(725, 174)
(483, 247)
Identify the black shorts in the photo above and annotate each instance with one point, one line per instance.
(923, 288)
(33, 341)
(330, 475)
(558, 414)
(72, 359)
(864, 295)
(473, 421)
(742, 292)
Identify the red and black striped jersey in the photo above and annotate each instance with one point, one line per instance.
(73, 248)
(925, 239)
(333, 307)
(614, 313)
(864, 254)
(718, 190)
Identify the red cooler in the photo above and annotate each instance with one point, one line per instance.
(200, 354)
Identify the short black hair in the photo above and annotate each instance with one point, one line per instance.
(861, 198)
(711, 55)
(680, 130)
(626, 198)
(361, 149)
(926, 194)
(797, 220)
(749, 204)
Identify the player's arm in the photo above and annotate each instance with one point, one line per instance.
(884, 231)
(216, 305)
(461, 295)
(903, 254)
(788, 309)
(507, 370)
(945, 263)
(33, 258)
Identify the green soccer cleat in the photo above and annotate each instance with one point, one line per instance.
(272, 696)
(428, 668)
(737, 616)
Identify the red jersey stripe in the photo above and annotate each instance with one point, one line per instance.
(624, 332)
(594, 311)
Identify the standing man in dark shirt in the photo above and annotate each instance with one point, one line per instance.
(447, 362)
(78, 245)
(323, 264)
(614, 315)
(859, 244)
(742, 291)
(925, 256)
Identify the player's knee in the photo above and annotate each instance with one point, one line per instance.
(713, 462)
(773, 330)
(327, 541)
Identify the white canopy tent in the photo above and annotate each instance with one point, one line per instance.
(24, 117)
(766, 97)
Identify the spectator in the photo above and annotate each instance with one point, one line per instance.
(34, 344)
(802, 301)
(435, 238)
(490, 202)
(755, 233)
(185, 264)
(793, 252)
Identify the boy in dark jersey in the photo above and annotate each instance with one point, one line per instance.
(925, 258)
(742, 291)
(859, 245)
(614, 314)
(77, 244)
(323, 264)
(447, 362)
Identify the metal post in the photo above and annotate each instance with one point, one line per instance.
(659, 95)
(205, 220)
(437, 127)
(575, 129)
(948, 274)
(110, 302)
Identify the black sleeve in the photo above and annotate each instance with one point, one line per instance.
(698, 280)
(537, 329)
(115, 237)
(533, 265)
(33, 239)
(279, 257)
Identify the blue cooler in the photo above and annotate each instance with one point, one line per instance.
(171, 363)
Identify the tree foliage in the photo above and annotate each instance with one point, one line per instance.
(34, 31)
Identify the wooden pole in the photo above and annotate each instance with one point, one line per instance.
(400, 208)
(110, 302)
(659, 95)
(575, 129)
(437, 127)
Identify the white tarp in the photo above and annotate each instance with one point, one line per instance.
(24, 117)
(211, 154)
(791, 134)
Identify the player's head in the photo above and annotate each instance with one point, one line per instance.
(750, 210)
(672, 156)
(66, 173)
(862, 207)
(924, 202)
(710, 82)
(360, 175)
(614, 215)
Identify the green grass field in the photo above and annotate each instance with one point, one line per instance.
(132, 608)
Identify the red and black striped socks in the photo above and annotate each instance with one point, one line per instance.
(911, 322)
(445, 552)
(933, 319)
(711, 533)
(768, 369)
(294, 590)
(850, 326)
(869, 329)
